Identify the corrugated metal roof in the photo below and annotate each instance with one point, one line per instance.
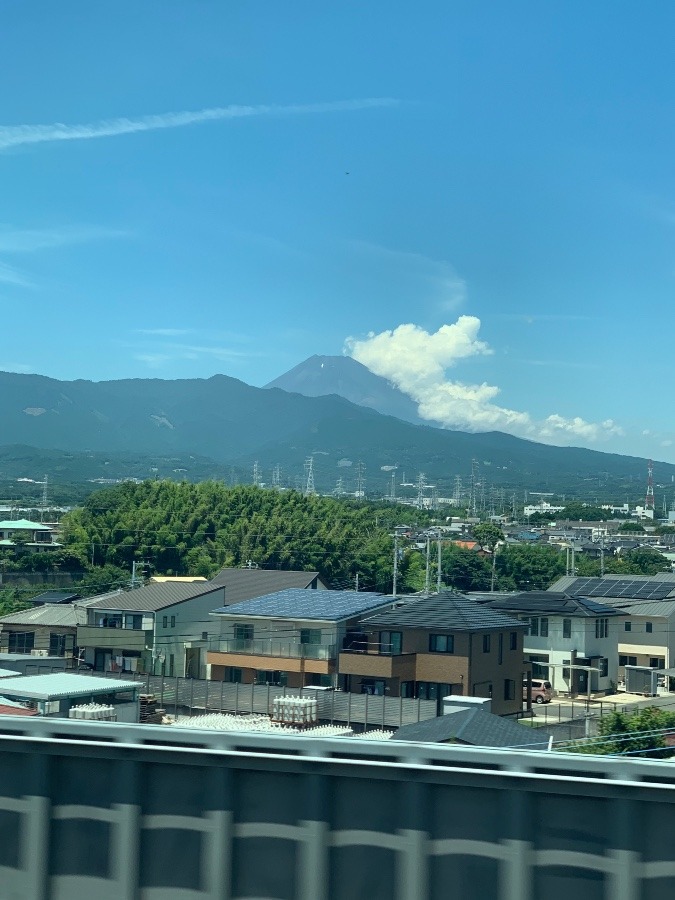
(298, 603)
(246, 584)
(665, 608)
(447, 611)
(7, 673)
(154, 597)
(57, 685)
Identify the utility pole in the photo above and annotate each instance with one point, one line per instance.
(356, 580)
(602, 554)
(427, 575)
(133, 574)
(393, 590)
(438, 573)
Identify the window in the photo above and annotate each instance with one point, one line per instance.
(567, 628)
(500, 649)
(628, 660)
(657, 662)
(430, 690)
(21, 641)
(57, 644)
(513, 644)
(173, 621)
(627, 626)
(601, 628)
(603, 666)
(133, 621)
(310, 636)
(441, 643)
(165, 621)
(648, 627)
(543, 627)
(234, 675)
(243, 635)
(171, 663)
(407, 688)
(534, 626)
(390, 642)
(486, 643)
(509, 689)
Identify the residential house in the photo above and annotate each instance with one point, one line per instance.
(292, 637)
(48, 630)
(569, 640)
(437, 646)
(157, 628)
(31, 535)
(647, 634)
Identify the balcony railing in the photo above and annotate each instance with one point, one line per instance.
(287, 649)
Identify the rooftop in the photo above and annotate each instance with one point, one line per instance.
(448, 611)
(299, 603)
(23, 524)
(154, 597)
(552, 604)
(66, 615)
(54, 597)
(638, 587)
(478, 727)
(246, 584)
(58, 685)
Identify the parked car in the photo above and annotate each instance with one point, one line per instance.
(542, 691)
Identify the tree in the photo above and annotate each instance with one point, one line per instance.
(640, 733)
(631, 528)
(489, 537)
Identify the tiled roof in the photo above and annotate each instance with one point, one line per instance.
(154, 597)
(448, 611)
(548, 603)
(473, 726)
(297, 603)
(245, 584)
(665, 608)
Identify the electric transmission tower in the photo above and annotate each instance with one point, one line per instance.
(309, 477)
(257, 475)
(360, 479)
(276, 477)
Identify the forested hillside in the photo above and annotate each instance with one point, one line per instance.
(198, 528)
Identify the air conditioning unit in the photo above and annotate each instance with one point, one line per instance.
(39, 652)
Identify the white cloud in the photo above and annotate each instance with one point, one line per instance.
(10, 275)
(17, 135)
(416, 362)
(164, 332)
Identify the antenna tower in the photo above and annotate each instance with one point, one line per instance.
(649, 499)
(421, 484)
(457, 495)
(309, 477)
(256, 474)
(43, 508)
(276, 477)
(360, 479)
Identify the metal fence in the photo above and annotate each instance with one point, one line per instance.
(194, 696)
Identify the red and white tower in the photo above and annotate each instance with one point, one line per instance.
(649, 499)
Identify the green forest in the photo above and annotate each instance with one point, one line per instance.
(171, 528)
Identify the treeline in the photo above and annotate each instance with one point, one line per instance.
(170, 528)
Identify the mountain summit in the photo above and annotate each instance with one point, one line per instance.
(320, 376)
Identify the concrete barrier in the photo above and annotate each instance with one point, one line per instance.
(119, 812)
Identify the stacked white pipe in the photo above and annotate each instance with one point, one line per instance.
(301, 711)
(100, 711)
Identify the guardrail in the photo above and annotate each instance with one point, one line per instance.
(155, 813)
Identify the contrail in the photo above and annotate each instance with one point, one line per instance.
(16, 135)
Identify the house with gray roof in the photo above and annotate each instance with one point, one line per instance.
(158, 628)
(473, 727)
(48, 630)
(430, 647)
(570, 641)
(291, 637)
(646, 634)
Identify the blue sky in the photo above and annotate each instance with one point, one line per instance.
(477, 200)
